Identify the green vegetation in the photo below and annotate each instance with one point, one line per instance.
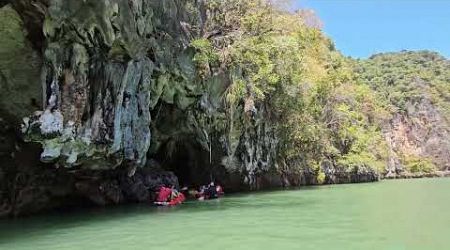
(415, 90)
(321, 177)
(204, 56)
(405, 77)
(419, 165)
(317, 107)
(323, 106)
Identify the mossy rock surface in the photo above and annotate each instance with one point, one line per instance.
(20, 69)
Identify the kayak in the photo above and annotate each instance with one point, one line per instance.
(175, 201)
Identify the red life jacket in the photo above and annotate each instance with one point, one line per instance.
(164, 194)
(177, 200)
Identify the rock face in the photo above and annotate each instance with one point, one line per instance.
(108, 67)
(97, 81)
(422, 131)
(20, 94)
(415, 85)
(44, 188)
(19, 75)
(120, 84)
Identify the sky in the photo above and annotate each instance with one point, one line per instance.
(361, 28)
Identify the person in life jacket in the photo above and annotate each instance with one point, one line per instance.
(169, 197)
(176, 198)
(164, 194)
(211, 191)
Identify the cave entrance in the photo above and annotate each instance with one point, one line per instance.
(178, 148)
(188, 160)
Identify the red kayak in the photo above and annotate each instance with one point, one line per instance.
(180, 198)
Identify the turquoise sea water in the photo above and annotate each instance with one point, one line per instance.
(402, 214)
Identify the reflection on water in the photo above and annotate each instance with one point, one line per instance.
(406, 214)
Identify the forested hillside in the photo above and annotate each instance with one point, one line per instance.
(414, 87)
(322, 119)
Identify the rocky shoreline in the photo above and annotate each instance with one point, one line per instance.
(58, 189)
(406, 175)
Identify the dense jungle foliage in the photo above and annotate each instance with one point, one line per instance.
(319, 107)
(415, 86)
(324, 107)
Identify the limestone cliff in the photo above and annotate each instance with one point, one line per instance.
(118, 85)
(415, 87)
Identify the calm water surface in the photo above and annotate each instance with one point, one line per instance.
(405, 214)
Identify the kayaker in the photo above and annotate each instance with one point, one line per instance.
(211, 191)
(164, 194)
(169, 197)
(176, 198)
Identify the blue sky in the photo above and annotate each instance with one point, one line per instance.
(361, 28)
